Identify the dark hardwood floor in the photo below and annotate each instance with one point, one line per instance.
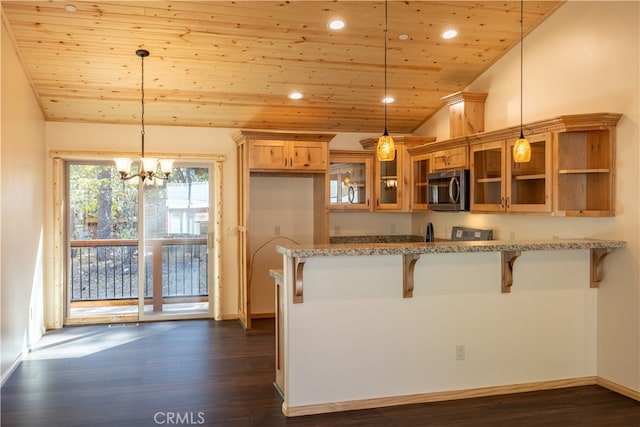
(216, 374)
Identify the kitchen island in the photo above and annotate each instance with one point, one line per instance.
(371, 325)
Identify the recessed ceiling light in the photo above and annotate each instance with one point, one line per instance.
(70, 8)
(449, 34)
(388, 100)
(296, 95)
(336, 24)
(403, 36)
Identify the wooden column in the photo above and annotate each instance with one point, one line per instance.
(157, 275)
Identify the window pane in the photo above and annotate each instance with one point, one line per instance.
(103, 236)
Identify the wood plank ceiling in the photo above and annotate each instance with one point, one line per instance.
(232, 64)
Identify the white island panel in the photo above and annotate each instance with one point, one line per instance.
(356, 338)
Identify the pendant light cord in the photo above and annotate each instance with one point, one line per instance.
(521, 63)
(385, 68)
(142, 103)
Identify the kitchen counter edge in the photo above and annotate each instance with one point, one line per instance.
(305, 251)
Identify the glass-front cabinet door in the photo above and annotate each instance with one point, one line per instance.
(350, 180)
(390, 182)
(487, 172)
(529, 184)
(420, 168)
(499, 184)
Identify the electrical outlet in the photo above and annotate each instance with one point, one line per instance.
(460, 352)
(277, 230)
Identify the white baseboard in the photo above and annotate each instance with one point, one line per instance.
(294, 411)
(5, 375)
(618, 388)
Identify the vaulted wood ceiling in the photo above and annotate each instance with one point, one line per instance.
(232, 64)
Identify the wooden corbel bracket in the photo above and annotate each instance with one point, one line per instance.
(597, 256)
(298, 265)
(408, 265)
(508, 259)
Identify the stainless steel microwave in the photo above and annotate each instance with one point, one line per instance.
(448, 190)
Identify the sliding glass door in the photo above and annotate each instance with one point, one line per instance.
(177, 256)
(140, 251)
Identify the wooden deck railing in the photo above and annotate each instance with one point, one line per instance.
(107, 270)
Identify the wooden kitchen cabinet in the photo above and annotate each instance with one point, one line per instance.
(287, 155)
(420, 169)
(529, 183)
(498, 184)
(263, 155)
(391, 183)
(350, 180)
(571, 172)
(392, 178)
(453, 158)
(584, 160)
(487, 177)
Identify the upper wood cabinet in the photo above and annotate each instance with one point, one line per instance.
(499, 184)
(350, 180)
(288, 155)
(453, 158)
(284, 152)
(571, 172)
(584, 165)
(392, 178)
(420, 169)
(466, 113)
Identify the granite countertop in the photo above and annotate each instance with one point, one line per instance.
(277, 274)
(357, 249)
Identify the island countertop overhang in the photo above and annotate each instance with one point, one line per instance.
(419, 248)
(509, 250)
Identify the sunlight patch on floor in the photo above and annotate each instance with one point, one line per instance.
(74, 342)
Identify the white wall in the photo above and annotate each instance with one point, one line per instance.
(22, 214)
(584, 58)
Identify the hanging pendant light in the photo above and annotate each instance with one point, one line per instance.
(521, 148)
(149, 166)
(386, 148)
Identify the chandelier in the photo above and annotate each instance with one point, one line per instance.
(386, 148)
(150, 167)
(521, 148)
